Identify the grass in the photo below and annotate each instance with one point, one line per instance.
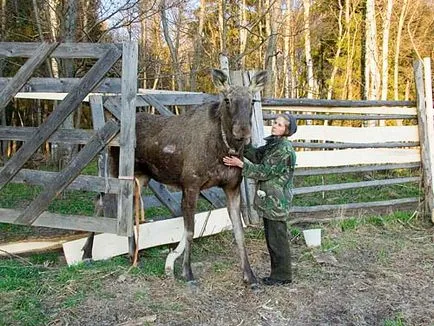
(41, 282)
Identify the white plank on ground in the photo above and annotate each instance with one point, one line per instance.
(354, 135)
(151, 234)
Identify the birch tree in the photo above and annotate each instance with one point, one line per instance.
(197, 46)
(372, 74)
(308, 51)
(402, 16)
(271, 26)
(385, 51)
(171, 45)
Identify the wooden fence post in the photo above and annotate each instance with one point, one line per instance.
(127, 138)
(422, 71)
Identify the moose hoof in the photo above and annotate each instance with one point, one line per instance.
(169, 272)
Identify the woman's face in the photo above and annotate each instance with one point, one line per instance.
(279, 127)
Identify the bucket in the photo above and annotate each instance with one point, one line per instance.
(312, 237)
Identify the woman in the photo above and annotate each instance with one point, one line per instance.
(272, 166)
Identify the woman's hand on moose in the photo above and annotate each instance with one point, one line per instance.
(233, 161)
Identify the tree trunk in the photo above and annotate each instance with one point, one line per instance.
(385, 51)
(143, 39)
(372, 73)
(270, 57)
(307, 49)
(397, 49)
(243, 34)
(222, 26)
(172, 49)
(338, 50)
(197, 46)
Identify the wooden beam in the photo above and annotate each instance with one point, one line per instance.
(426, 130)
(151, 100)
(354, 185)
(67, 136)
(398, 110)
(354, 135)
(63, 85)
(332, 103)
(64, 50)
(127, 138)
(357, 156)
(340, 207)
(353, 169)
(345, 117)
(66, 222)
(354, 145)
(78, 163)
(113, 105)
(82, 182)
(17, 82)
(56, 118)
(172, 203)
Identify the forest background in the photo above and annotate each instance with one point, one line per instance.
(341, 49)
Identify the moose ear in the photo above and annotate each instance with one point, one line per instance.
(220, 79)
(258, 81)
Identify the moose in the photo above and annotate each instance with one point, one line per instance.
(186, 151)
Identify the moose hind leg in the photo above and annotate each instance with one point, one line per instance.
(189, 200)
(233, 204)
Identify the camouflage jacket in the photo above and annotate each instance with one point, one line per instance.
(272, 166)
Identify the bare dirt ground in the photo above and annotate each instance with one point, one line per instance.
(371, 275)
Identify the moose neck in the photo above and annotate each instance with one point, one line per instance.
(233, 146)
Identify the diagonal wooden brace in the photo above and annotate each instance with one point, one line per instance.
(65, 108)
(66, 176)
(25, 72)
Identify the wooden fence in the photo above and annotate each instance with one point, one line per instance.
(76, 89)
(324, 149)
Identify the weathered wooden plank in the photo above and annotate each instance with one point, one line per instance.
(166, 197)
(332, 103)
(426, 130)
(340, 207)
(16, 83)
(173, 98)
(345, 157)
(215, 196)
(66, 176)
(354, 185)
(127, 138)
(64, 50)
(355, 135)
(68, 136)
(151, 100)
(56, 118)
(67, 222)
(113, 105)
(353, 169)
(82, 182)
(63, 85)
(354, 145)
(351, 110)
(327, 117)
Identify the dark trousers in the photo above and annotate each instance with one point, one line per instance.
(276, 235)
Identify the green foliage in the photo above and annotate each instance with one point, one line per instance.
(397, 321)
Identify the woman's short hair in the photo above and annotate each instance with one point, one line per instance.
(291, 127)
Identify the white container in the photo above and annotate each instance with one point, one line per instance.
(312, 237)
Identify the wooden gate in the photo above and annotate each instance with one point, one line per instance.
(54, 183)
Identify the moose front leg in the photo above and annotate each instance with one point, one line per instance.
(189, 200)
(233, 203)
